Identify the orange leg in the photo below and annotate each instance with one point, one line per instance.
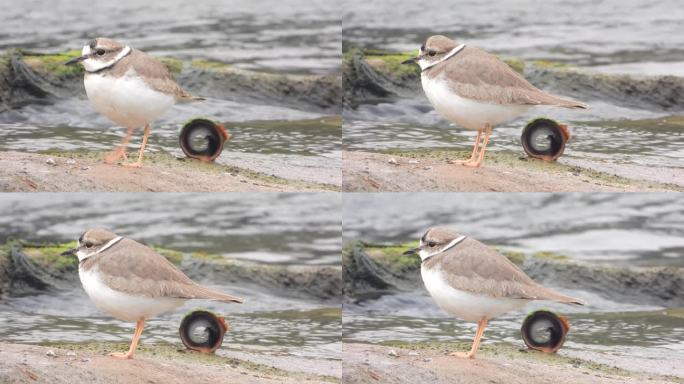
(138, 164)
(120, 152)
(139, 325)
(473, 155)
(481, 156)
(481, 325)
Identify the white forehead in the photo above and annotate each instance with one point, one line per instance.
(86, 50)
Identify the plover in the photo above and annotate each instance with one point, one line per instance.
(475, 90)
(129, 87)
(132, 282)
(473, 282)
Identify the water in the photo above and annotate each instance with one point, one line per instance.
(618, 229)
(583, 33)
(606, 36)
(293, 36)
(270, 228)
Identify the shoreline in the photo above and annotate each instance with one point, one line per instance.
(426, 170)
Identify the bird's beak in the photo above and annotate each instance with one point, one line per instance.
(412, 60)
(76, 60)
(70, 252)
(413, 251)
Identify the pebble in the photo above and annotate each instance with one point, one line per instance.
(413, 353)
(71, 161)
(414, 161)
(51, 353)
(85, 168)
(427, 167)
(393, 353)
(50, 161)
(71, 353)
(393, 161)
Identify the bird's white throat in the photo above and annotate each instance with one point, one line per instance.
(424, 64)
(84, 255)
(94, 65)
(425, 253)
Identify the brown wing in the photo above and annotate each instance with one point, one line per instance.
(131, 267)
(156, 74)
(473, 264)
(482, 76)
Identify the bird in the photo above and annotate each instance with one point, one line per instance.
(476, 90)
(132, 282)
(474, 282)
(129, 87)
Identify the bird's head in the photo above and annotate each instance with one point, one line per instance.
(100, 53)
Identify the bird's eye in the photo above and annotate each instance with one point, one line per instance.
(100, 52)
(431, 244)
(89, 245)
(432, 53)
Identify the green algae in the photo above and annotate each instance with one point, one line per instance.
(210, 64)
(174, 66)
(55, 64)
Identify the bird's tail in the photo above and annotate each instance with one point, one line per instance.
(188, 98)
(210, 294)
(559, 297)
(568, 103)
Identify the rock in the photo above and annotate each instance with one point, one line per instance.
(50, 161)
(71, 162)
(393, 353)
(51, 353)
(393, 161)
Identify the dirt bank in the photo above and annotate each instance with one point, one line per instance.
(369, 270)
(153, 364)
(86, 172)
(26, 269)
(429, 363)
(31, 77)
(433, 171)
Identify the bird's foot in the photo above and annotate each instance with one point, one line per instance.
(121, 355)
(137, 164)
(114, 156)
(463, 355)
(471, 164)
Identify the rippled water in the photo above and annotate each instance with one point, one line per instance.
(268, 323)
(273, 228)
(292, 36)
(581, 32)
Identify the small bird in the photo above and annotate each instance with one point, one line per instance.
(473, 282)
(474, 89)
(132, 282)
(129, 87)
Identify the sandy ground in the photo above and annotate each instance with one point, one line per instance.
(36, 364)
(365, 363)
(370, 172)
(32, 172)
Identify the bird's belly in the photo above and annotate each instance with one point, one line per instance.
(126, 100)
(467, 113)
(124, 306)
(465, 305)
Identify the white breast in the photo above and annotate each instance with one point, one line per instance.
(126, 100)
(123, 306)
(462, 304)
(467, 113)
